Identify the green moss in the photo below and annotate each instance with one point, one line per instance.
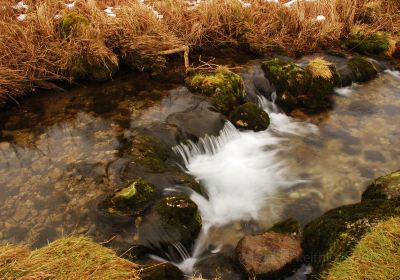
(131, 200)
(376, 43)
(250, 116)
(224, 87)
(333, 236)
(180, 213)
(94, 69)
(385, 187)
(72, 22)
(146, 63)
(362, 69)
(290, 226)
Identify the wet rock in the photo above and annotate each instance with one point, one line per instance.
(161, 271)
(169, 134)
(141, 62)
(360, 41)
(225, 88)
(198, 122)
(270, 255)
(374, 156)
(289, 226)
(87, 67)
(362, 69)
(333, 236)
(297, 87)
(385, 187)
(250, 116)
(130, 200)
(218, 266)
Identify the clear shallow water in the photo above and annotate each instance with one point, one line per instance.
(60, 152)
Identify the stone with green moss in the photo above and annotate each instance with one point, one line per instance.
(130, 200)
(332, 237)
(72, 22)
(377, 43)
(324, 78)
(225, 88)
(290, 226)
(250, 116)
(181, 214)
(385, 187)
(94, 68)
(362, 69)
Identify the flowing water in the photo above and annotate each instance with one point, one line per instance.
(61, 152)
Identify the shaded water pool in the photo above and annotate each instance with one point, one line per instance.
(61, 152)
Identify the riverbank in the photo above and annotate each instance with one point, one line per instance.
(82, 40)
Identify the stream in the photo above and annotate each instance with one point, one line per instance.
(61, 152)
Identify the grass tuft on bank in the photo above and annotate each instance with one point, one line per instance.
(66, 258)
(52, 41)
(376, 256)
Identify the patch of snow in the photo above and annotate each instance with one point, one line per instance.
(70, 5)
(320, 18)
(22, 17)
(21, 6)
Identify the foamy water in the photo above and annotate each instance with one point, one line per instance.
(240, 171)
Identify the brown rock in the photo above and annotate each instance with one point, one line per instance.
(269, 255)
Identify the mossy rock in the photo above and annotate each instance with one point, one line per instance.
(250, 116)
(181, 214)
(225, 88)
(94, 69)
(150, 153)
(289, 226)
(130, 200)
(332, 237)
(145, 63)
(299, 88)
(385, 187)
(377, 43)
(73, 22)
(362, 69)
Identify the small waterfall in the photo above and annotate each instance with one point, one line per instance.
(240, 171)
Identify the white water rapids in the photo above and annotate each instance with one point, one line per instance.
(240, 171)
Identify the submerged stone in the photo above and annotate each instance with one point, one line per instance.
(385, 187)
(225, 88)
(270, 255)
(376, 43)
(130, 200)
(362, 69)
(250, 116)
(289, 226)
(332, 237)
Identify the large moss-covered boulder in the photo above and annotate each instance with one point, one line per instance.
(368, 43)
(302, 88)
(250, 116)
(363, 70)
(97, 69)
(180, 215)
(73, 22)
(130, 200)
(385, 187)
(225, 88)
(270, 255)
(332, 237)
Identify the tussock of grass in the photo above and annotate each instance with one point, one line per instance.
(320, 68)
(66, 258)
(39, 49)
(377, 255)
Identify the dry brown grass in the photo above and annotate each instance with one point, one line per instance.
(35, 49)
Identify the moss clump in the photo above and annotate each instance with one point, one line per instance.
(290, 226)
(250, 116)
(73, 22)
(296, 87)
(93, 68)
(66, 258)
(362, 69)
(224, 87)
(332, 237)
(131, 200)
(180, 213)
(376, 256)
(385, 187)
(150, 153)
(376, 43)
